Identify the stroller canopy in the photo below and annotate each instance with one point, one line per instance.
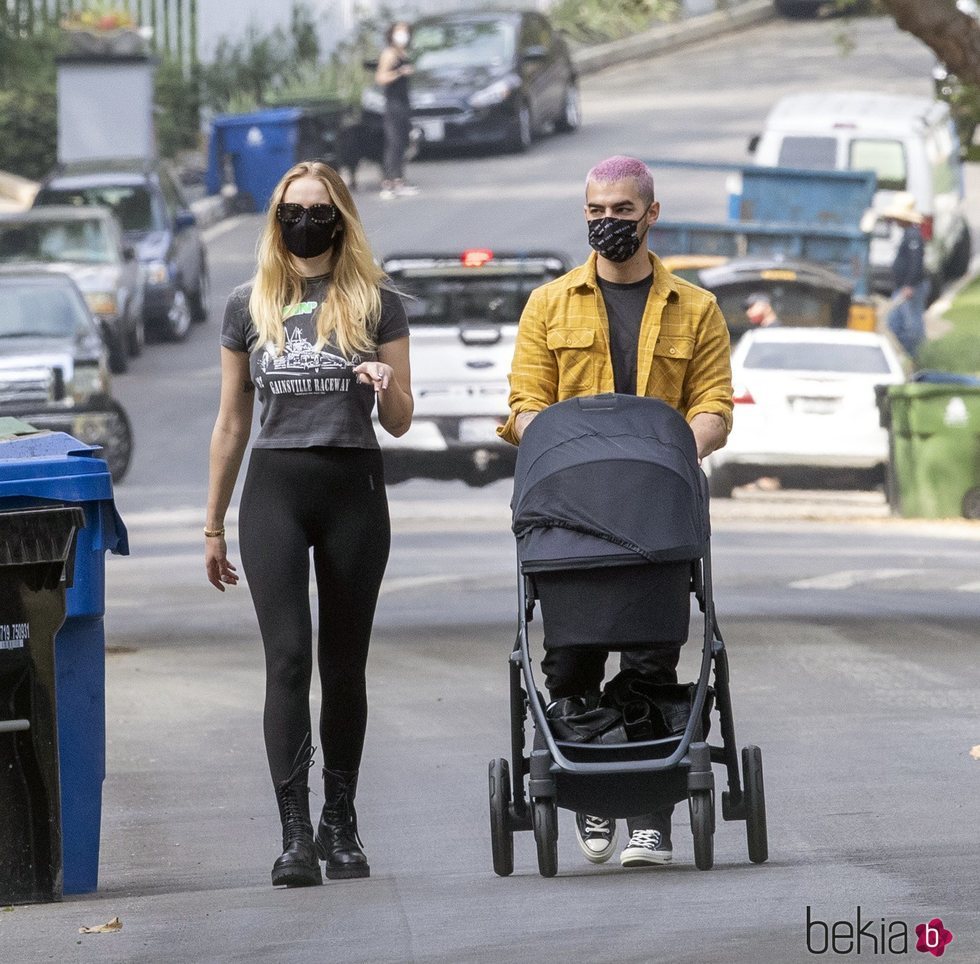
(608, 480)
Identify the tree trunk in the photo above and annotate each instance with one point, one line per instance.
(953, 36)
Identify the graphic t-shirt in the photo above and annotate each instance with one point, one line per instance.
(309, 397)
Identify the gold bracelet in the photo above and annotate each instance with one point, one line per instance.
(214, 533)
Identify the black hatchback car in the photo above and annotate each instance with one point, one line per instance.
(486, 79)
(157, 222)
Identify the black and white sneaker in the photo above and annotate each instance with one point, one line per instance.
(596, 837)
(647, 848)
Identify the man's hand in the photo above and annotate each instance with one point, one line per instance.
(522, 422)
(710, 433)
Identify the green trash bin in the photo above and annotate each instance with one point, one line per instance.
(935, 448)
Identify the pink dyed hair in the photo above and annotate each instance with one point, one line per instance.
(622, 168)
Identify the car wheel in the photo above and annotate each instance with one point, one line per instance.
(117, 448)
(721, 482)
(178, 320)
(201, 299)
(523, 133)
(571, 113)
(118, 344)
(137, 336)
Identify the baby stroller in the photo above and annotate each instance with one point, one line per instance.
(610, 512)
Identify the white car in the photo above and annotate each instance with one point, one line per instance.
(806, 408)
(463, 311)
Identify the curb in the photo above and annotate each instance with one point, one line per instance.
(674, 35)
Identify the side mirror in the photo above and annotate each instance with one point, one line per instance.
(184, 219)
(753, 143)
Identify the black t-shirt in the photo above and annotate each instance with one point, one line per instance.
(625, 304)
(309, 397)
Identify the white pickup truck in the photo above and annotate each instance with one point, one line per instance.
(463, 311)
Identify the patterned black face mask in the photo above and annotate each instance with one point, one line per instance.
(614, 238)
(309, 232)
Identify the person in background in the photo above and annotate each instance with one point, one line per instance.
(759, 311)
(322, 339)
(906, 317)
(621, 322)
(392, 76)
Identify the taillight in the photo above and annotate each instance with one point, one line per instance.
(476, 257)
(926, 228)
(743, 397)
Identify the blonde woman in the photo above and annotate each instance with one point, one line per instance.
(320, 338)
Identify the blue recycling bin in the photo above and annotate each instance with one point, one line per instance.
(48, 469)
(259, 147)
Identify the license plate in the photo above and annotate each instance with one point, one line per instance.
(816, 406)
(476, 430)
(432, 130)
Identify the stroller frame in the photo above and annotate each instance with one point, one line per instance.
(575, 775)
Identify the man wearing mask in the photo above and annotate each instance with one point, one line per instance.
(621, 322)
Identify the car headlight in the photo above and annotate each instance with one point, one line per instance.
(496, 93)
(88, 380)
(157, 272)
(373, 100)
(102, 302)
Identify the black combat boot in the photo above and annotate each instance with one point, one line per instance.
(297, 865)
(337, 841)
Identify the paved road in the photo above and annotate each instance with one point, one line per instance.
(852, 645)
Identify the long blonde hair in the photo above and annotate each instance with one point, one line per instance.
(351, 311)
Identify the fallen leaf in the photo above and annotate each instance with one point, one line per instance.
(975, 752)
(108, 928)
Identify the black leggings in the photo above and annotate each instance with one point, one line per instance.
(333, 500)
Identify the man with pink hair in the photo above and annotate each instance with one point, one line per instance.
(621, 323)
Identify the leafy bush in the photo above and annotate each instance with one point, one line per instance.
(959, 350)
(596, 21)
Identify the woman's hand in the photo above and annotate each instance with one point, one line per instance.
(216, 564)
(376, 374)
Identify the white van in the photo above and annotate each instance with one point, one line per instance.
(909, 142)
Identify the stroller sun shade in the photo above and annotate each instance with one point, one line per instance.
(608, 480)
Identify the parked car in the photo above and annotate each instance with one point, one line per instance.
(160, 225)
(463, 311)
(909, 142)
(803, 294)
(88, 245)
(487, 78)
(805, 408)
(53, 369)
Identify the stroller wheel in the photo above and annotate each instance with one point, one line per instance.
(501, 836)
(702, 807)
(755, 804)
(546, 835)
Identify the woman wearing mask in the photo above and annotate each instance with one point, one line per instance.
(394, 69)
(321, 339)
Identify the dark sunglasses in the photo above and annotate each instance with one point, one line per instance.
(290, 213)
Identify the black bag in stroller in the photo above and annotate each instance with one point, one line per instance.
(610, 513)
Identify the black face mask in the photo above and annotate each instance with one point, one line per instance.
(309, 232)
(614, 238)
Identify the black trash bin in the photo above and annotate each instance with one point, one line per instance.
(37, 549)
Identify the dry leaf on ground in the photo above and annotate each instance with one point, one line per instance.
(108, 928)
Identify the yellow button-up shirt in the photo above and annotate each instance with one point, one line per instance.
(562, 349)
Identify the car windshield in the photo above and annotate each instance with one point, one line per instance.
(79, 241)
(810, 356)
(40, 311)
(476, 43)
(796, 306)
(450, 296)
(131, 203)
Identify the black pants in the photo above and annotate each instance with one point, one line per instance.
(578, 670)
(397, 126)
(332, 500)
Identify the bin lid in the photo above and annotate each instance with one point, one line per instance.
(273, 117)
(57, 467)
